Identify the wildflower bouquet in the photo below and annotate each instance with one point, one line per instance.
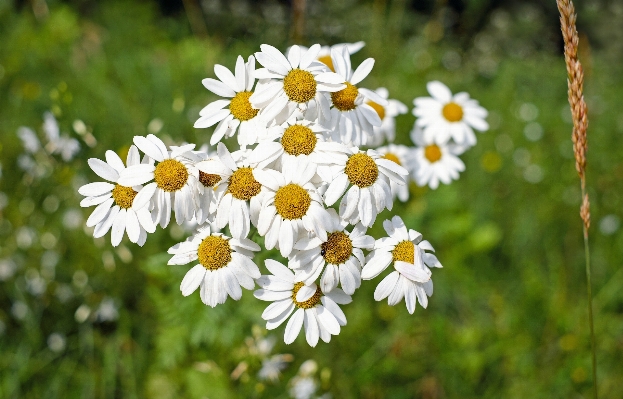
(308, 138)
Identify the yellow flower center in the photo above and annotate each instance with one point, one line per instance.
(404, 252)
(214, 252)
(361, 170)
(170, 175)
(392, 157)
(299, 85)
(337, 249)
(453, 112)
(123, 196)
(242, 184)
(378, 108)
(432, 153)
(208, 180)
(326, 59)
(344, 100)
(311, 302)
(241, 108)
(292, 201)
(298, 140)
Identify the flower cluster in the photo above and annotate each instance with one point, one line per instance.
(304, 128)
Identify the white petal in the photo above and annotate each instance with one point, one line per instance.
(279, 270)
(118, 227)
(294, 326)
(132, 226)
(378, 262)
(103, 170)
(328, 320)
(439, 91)
(231, 283)
(143, 197)
(412, 272)
(227, 77)
(192, 280)
(95, 189)
(305, 292)
(312, 333)
(386, 286)
(218, 88)
(100, 212)
(149, 148)
(362, 71)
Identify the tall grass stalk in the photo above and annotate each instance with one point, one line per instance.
(575, 82)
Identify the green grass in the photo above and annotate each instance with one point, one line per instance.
(508, 316)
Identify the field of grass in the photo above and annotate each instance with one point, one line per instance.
(508, 319)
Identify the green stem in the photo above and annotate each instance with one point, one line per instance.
(590, 305)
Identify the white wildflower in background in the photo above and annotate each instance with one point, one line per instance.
(324, 55)
(444, 116)
(272, 367)
(29, 138)
(411, 278)
(64, 145)
(119, 207)
(318, 312)
(225, 265)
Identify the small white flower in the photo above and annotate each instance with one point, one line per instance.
(124, 208)
(317, 311)
(366, 173)
(291, 206)
(272, 367)
(57, 144)
(174, 179)
(352, 118)
(388, 114)
(341, 252)
(431, 163)
(29, 138)
(412, 276)
(224, 266)
(206, 200)
(294, 82)
(402, 155)
(239, 112)
(324, 55)
(239, 195)
(445, 116)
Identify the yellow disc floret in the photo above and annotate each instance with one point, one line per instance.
(292, 201)
(361, 170)
(241, 108)
(392, 157)
(378, 108)
(453, 112)
(326, 59)
(208, 180)
(299, 85)
(242, 184)
(344, 100)
(214, 252)
(311, 302)
(337, 249)
(123, 196)
(404, 252)
(298, 140)
(432, 153)
(171, 175)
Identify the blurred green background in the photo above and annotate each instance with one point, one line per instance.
(508, 319)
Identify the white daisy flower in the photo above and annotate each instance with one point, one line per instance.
(411, 278)
(239, 194)
(445, 116)
(296, 82)
(432, 163)
(237, 89)
(366, 173)
(324, 55)
(272, 367)
(291, 206)
(317, 311)
(388, 114)
(352, 118)
(206, 200)
(341, 252)
(174, 179)
(29, 138)
(64, 145)
(225, 265)
(402, 155)
(124, 208)
(296, 138)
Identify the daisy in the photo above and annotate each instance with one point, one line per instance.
(291, 206)
(205, 197)
(296, 82)
(124, 208)
(317, 311)
(296, 138)
(388, 114)
(411, 278)
(174, 179)
(324, 55)
(236, 88)
(366, 173)
(352, 118)
(64, 145)
(224, 266)
(402, 155)
(431, 163)
(341, 252)
(445, 115)
(239, 194)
